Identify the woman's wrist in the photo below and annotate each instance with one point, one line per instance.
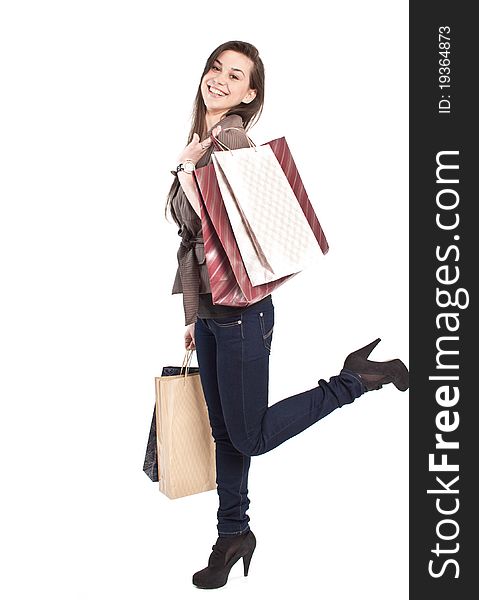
(185, 166)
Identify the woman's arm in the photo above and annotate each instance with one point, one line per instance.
(190, 190)
(194, 151)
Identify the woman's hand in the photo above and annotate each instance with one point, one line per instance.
(195, 150)
(190, 337)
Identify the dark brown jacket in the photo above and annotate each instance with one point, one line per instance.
(192, 274)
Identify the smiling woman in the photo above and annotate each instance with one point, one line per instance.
(228, 101)
(234, 344)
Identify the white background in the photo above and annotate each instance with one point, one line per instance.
(95, 106)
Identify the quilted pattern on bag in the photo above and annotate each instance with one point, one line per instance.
(271, 230)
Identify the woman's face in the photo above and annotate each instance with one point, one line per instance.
(226, 84)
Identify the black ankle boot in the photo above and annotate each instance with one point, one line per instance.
(375, 374)
(226, 552)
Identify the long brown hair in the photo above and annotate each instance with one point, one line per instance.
(250, 113)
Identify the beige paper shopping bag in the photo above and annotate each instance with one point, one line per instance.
(186, 449)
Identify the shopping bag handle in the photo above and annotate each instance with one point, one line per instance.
(186, 362)
(223, 146)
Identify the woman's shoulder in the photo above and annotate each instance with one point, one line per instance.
(232, 120)
(233, 133)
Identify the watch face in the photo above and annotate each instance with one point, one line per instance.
(188, 167)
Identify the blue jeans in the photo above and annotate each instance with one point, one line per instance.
(233, 358)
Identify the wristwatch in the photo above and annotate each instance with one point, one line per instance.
(188, 166)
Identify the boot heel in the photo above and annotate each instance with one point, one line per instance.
(246, 561)
(366, 351)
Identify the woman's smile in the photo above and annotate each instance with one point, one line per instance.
(215, 92)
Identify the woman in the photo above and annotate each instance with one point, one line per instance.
(233, 344)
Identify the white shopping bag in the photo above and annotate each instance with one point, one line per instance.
(270, 228)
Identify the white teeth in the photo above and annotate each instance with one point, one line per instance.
(216, 92)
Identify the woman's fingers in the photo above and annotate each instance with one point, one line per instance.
(195, 149)
(190, 338)
(206, 143)
(215, 132)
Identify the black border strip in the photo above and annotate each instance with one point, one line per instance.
(443, 271)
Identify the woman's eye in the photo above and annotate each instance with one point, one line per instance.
(234, 76)
(214, 68)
